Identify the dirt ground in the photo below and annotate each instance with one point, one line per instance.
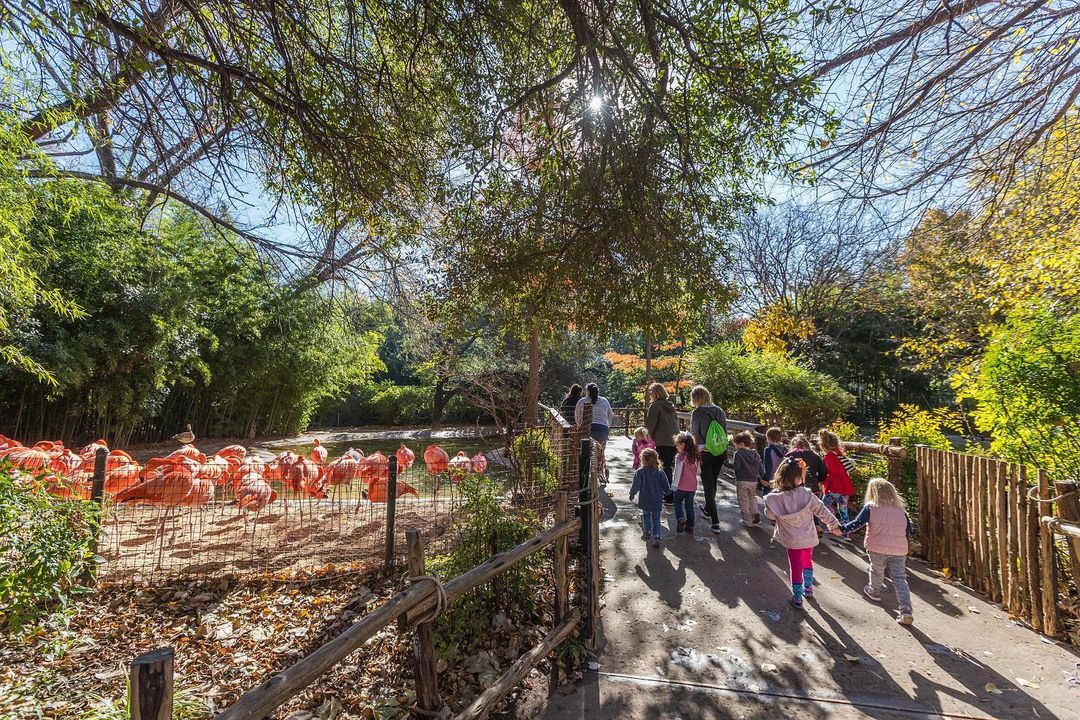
(701, 628)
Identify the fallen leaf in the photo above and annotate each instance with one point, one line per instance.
(768, 667)
(1026, 683)
(972, 609)
(851, 658)
(992, 689)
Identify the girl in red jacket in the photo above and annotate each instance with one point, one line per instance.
(837, 486)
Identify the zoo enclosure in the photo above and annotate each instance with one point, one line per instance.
(151, 675)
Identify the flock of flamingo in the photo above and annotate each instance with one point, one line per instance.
(188, 477)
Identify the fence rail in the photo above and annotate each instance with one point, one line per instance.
(987, 521)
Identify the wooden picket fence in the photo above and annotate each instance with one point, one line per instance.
(986, 522)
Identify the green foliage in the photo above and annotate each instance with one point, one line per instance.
(1027, 389)
(180, 325)
(915, 426)
(485, 527)
(45, 547)
(768, 386)
(536, 464)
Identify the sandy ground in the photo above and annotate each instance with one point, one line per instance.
(701, 628)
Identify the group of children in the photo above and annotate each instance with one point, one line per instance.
(801, 490)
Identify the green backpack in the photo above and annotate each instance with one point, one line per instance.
(716, 439)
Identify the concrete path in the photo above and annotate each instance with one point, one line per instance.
(700, 628)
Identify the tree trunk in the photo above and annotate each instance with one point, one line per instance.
(532, 394)
(648, 365)
(442, 397)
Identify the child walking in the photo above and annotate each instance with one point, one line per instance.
(650, 485)
(775, 451)
(837, 486)
(794, 508)
(749, 472)
(887, 530)
(687, 464)
(641, 441)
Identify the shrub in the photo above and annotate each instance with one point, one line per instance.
(768, 386)
(915, 426)
(485, 527)
(535, 462)
(45, 547)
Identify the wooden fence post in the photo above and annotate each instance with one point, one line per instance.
(559, 563)
(150, 691)
(427, 679)
(391, 513)
(587, 513)
(1047, 561)
(1068, 508)
(97, 496)
(896, 466)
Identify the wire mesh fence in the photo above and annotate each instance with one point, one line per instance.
(238, 512)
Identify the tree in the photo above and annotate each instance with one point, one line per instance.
(936, 98)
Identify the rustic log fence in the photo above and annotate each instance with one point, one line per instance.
(991, 523)
(417, 606)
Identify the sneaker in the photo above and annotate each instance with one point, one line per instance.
(702, 509)
(796, 602)
(808, 591)
(716, 529)
(757, 518)
(871, 593)
(681, 526)
(904, 618)
(846, 537)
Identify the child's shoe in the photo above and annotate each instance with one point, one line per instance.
(757, 518)
(716, 529)
(808, 591)
(796, 602)
(846, 537)
(871, 593)
(904, 617)
(681, 526)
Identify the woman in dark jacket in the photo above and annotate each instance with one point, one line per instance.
(663, 425)
(711, 465)
(570, 402)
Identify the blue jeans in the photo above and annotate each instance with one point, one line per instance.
(650, 523)
(684, 506)
(840, 502)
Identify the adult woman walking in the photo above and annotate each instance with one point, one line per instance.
(663, 425)
(704, 414)
(602, 416)
(569, 403)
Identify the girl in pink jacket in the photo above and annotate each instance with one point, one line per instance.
(887, 531)
(794, 507)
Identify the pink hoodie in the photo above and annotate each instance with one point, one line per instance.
(794, 511)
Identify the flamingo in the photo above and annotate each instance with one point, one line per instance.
(343, 470)
(479, 463)
(306, 477)
(378, 490)
(236, 451)
(318, 453)
(66, 463)
(436, 459)
(460, 465)
(27, 458)
(173, 483)
(69, 488)
(405, 458)
(90, 450)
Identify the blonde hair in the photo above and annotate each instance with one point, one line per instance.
(700, 395)
(882, 493)
(641, 434)
(658, 391)
(650, 459)
(828, 439)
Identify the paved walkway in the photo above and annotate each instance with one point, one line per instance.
(701, 628)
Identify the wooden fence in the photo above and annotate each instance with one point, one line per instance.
(989, 523)
(151, 685)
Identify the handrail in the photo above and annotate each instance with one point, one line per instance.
(556, 416)
(260, 701)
